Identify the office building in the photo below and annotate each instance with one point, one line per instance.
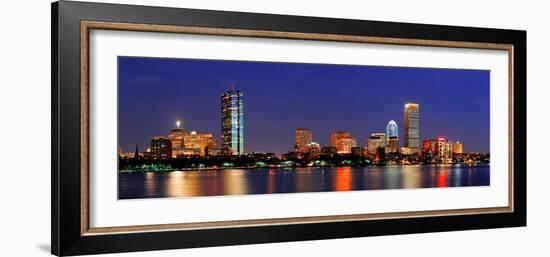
(391, 129)
(438, 150)
(232, 122)
(161, 148)
(343, 141)
(302, 139)
(411, 133)
(199, 143)
(375, 141)
(457, 148)
(392, 145)
(176, 138)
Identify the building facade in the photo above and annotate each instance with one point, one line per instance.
(457, 148)
(232, 123)
(375, 141)
(392, 137)
(302, 139)
(314, 149)
(438, 150)
(411, 135)
(343, 141)
(199, 142)
(161, 148)
(176, 138)
(392, 145)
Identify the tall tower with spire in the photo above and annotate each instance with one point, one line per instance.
(136, 153)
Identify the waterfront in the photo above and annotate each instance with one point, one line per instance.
(296, 180)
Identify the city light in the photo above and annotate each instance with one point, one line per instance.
(380, 148)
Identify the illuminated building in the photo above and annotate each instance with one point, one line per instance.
(185, 151)
(147, 154)
(232, 123)
(375, 141)
(426, 145)
(392, 145)
(391, 129)
(161, 148)
(313, 148)
(380, 155)
(120, 153)
(408, 150)
(176, 137)
(412, 126)
(438, 150)
(392, 137)
(457, 148)
(343, 141)
(302, 138)
(199, 142)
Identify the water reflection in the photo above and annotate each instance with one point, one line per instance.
(342, 179)
(286, 180)
(411, 177)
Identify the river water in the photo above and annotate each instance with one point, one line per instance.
(295, 180)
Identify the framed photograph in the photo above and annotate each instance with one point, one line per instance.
(178, 128)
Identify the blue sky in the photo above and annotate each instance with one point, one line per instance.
(279, 97)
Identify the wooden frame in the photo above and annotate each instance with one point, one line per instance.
(71, 23)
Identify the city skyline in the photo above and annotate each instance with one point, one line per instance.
(359, 128)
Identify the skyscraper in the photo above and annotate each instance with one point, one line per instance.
(412, 126)
(392, 137)
(232, 122)
(343, 141)
(391, 129)
(302, 138)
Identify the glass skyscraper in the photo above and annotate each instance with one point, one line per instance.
(392, 137)
(412, 126)
(391, 129)
(232, 123)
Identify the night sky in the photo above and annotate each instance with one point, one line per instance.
(280, 97)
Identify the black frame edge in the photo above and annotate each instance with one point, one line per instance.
(54, 130)
(520, 125)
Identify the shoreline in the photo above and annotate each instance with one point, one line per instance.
(297, 167)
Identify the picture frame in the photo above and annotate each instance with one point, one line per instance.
(71, 26)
